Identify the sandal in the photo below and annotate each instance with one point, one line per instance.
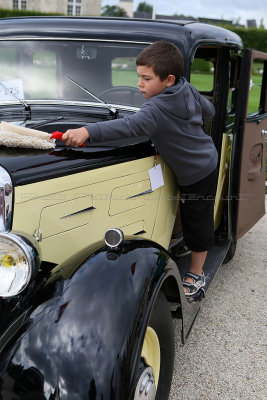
(198, 283)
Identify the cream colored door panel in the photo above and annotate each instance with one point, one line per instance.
(223, 178)
(134, 228)
(61, 247)
(68, 187)
(31, 199)
(167, 209)
(129, 197)
(54, 207)
(66, 216)
(121, 197)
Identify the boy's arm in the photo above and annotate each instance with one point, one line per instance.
(142, 123)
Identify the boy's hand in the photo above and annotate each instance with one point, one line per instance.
(75, 137)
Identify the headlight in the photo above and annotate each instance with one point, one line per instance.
(17, 263)
(6, 195)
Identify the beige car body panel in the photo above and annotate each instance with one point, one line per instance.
(223, 178)
(72, 212)
(67, 214)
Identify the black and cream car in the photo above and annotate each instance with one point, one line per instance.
(89, 278)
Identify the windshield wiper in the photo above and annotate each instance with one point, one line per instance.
(27, 107)
(110, 108)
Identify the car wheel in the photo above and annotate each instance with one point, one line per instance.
(230, 253)
(157, 357)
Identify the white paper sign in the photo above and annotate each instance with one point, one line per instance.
(14, 86)
(156, 177)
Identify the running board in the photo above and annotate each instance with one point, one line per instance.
(213, 261)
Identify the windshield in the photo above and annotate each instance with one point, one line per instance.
(39, 70)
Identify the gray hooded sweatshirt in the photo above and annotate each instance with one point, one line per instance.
(173, 120)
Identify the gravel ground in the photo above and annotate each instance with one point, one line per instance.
(225, 356)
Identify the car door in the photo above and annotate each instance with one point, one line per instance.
(248, 166)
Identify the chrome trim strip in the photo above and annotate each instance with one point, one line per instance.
(79, 212)
(72, 103)
(68, 39)
(6, 200)
(139, 232)
(140, 194)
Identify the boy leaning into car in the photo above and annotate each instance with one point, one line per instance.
(172, 117)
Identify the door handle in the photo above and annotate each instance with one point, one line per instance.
(263, 132)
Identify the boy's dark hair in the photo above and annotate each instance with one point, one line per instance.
(164, 58)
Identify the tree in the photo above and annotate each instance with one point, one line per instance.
(113, 11)
(237, 21)
(262, 24)
(144, 7)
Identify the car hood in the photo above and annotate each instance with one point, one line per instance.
(27, 166)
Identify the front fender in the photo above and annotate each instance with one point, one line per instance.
(81, 343)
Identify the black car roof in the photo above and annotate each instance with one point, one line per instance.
(187, 33)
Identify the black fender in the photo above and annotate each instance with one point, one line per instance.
(84, 340)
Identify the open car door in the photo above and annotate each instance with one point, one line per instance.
(248, 167)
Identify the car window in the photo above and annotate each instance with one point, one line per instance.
(255, 90)
(255, 86)
(202, 74)
(42, 70)
(234, 71)
(124, 71)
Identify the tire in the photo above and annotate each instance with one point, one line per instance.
(230, 253)
(161, 329)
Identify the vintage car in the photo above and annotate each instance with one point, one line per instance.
(90, 277)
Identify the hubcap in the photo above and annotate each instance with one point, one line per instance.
(146, 387)
(151, 352)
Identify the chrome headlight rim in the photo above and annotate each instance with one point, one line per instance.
(6, 200)
(30, 255)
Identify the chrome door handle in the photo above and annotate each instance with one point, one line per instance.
(263, 132)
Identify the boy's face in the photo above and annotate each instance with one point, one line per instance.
(150, 84)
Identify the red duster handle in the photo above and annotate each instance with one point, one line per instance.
(58, 135)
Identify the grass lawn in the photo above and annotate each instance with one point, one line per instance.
(203, 82)
(124, 78)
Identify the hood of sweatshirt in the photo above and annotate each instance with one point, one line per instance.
(179, 100)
